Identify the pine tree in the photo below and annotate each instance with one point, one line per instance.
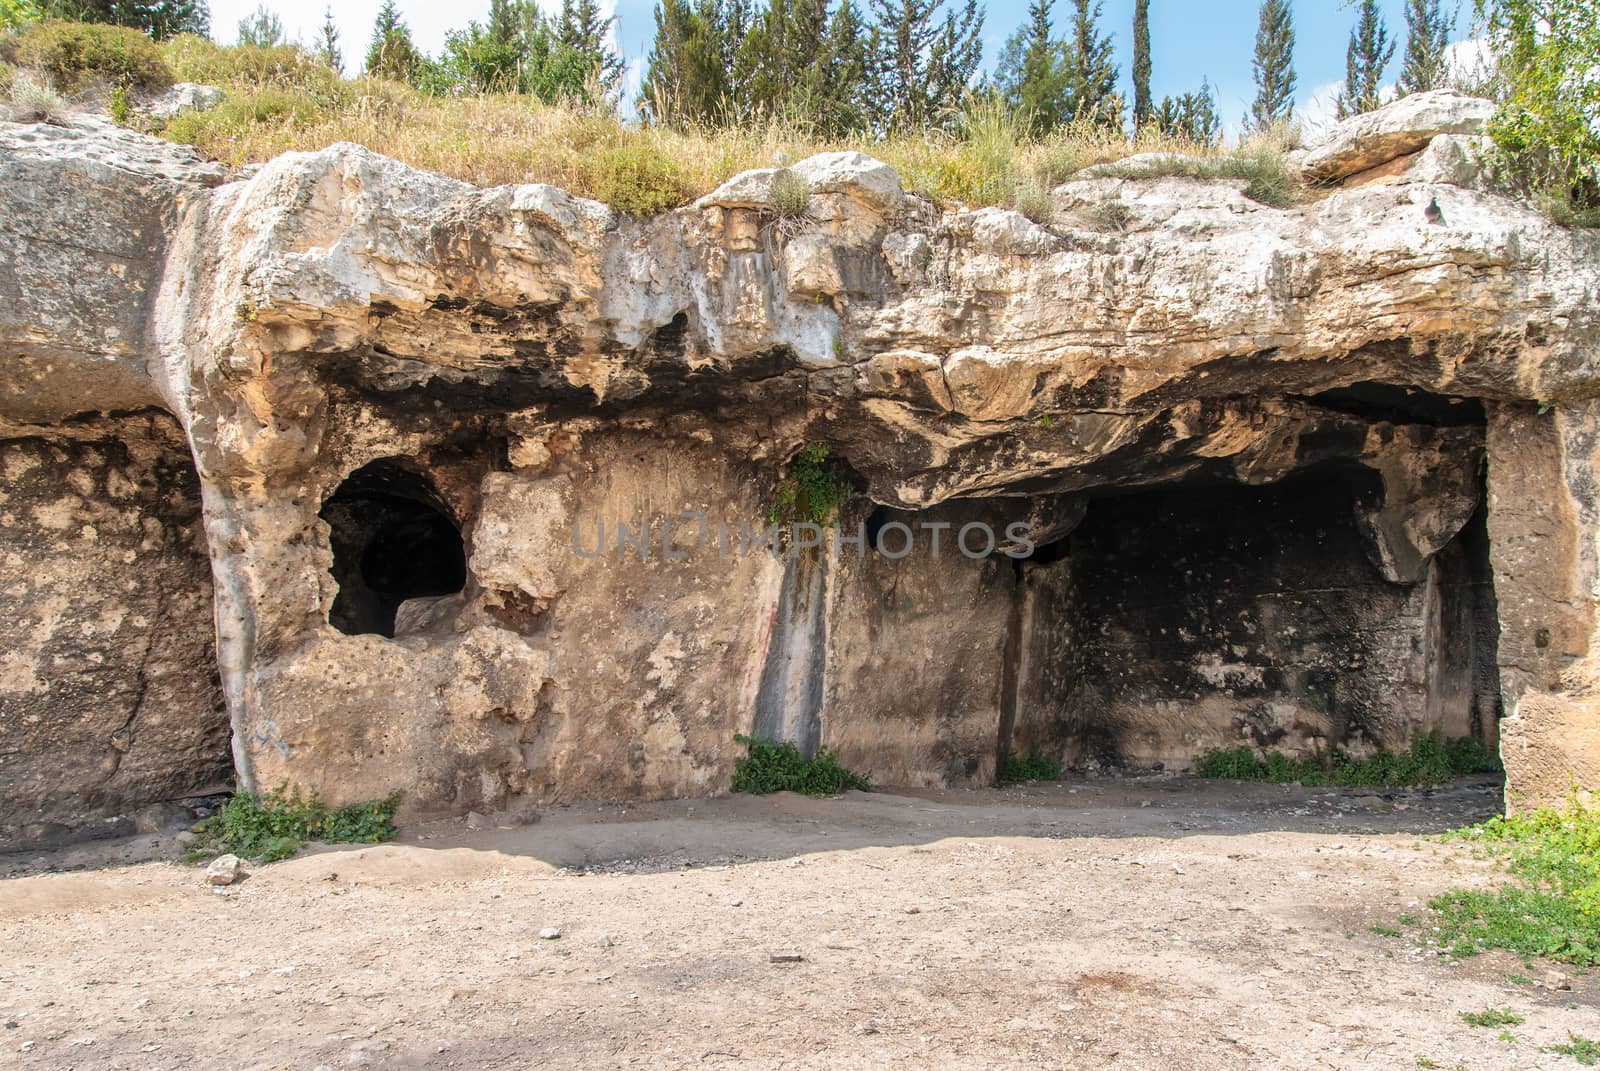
(1092, 70)
(261, 30)
(1032, 71)
(837, 94)
(1273, 65)
(1191, 115)
(1427, 34)
(392, 53)
(328, 43)
(160, 19)
(505, 21)
(1141, 64)
(1364, 60)
(582, 31)
(686, 78)
(923, 66)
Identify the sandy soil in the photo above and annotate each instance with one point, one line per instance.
(1150, 923)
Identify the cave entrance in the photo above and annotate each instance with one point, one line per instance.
(393, 539)
(1202, 615)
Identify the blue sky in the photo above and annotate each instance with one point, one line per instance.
(1190, 39)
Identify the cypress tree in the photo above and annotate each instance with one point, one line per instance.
(1191, 115)
(1141, 63)
(1427, 34)
(686, 80)
(581, 30)
(1273, 65)
(1364, 60)
(1032, 73)
(328, 42)
(1092, 70)
(392, 54)
(923, 65)
(262, 30)
(840, 79)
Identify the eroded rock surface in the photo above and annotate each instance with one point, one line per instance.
(476, 464)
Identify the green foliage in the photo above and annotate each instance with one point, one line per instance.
(1142, 109)
(1034, 766)
(1580, 1048)
(34, 99)
(791, 195)
(285, 67)
(1492, 1017)
(118, 106)
(1546, 128)
(278, 824)
(1273, 65)
(779, 767)
(923, 64)
(1368, 54)
(1191, 115)
(80, 56)
(263, 29)
(392, 53)
(812, 491)
(639, 179)
(1425, 65)
(1428, 761)
(1552, 906)
(235, 115)
(17, 13)
(1032, 72)
(160, 19)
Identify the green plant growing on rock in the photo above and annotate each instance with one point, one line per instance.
(790, 195)
(812, 491)
(1492, 1017)
(769, 766)
(1580, 1048)
(277, 824)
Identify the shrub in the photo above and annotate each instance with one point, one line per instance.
(1544, 128)
(779, 767)
(791, 195)
(34, 99)
(812, 491)
(277, 824)
(1033, 200)
(235, 116)
(283, 67)
(640, 179)
(1034, 766)
(79, 56)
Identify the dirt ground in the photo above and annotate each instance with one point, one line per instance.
(1124, 923)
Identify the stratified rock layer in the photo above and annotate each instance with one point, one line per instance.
(532, 439)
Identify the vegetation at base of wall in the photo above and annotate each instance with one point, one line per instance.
(812, 491)
(770, 766)
(1428, 761)
(1550, 908)
(277, 824)
(1034, 766)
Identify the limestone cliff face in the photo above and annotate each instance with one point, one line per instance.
(406, 396)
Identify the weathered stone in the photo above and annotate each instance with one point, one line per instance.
(485, 472)
(224, 870)
(1373, 138)
(183, 97)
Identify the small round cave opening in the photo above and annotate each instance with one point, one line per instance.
(393, 539)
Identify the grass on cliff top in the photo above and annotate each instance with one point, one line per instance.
(282, 99)
(277, 824)
(1550, 907)
(1428, 761)
(770, 766)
